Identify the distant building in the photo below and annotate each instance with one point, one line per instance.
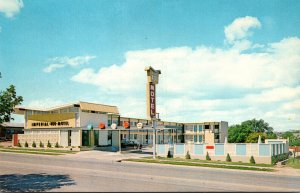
(8, 129)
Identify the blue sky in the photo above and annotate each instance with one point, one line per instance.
(63, 51)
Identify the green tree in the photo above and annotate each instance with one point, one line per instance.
(248, 130)
(8, 100)
(259, 126)
(253, 137)
(238, 133)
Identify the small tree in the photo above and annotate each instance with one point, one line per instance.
(169, 154)
(252, 160)
(41, 144)
(187, 156)
(48, 144)
(207, 156)
(56, 145)
(33, 144)
(26, 144)
(228, 158)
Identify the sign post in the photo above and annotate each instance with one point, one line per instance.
(152, 80)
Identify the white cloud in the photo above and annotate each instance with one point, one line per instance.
(44, 103)
(239, 28)
(207, 83)
(10, 7)
(52, 67)
(60, 62)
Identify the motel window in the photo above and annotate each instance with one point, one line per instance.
(73, 109)
(195, 138)
(195, 128)
(206, 126)
(200, 138)
(135, 136)
(115, 121)
(200, 127)
(109, 122)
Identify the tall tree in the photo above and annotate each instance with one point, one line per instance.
(248, 131)
(8, 100)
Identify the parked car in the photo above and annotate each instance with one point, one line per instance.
(131, 143)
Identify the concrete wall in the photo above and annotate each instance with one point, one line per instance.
(209, 137)
(75, 138)
(103, 135)
(115, 138)
(223, 130)
(64, 138)
(92, 118)
(237, 152)
(30, 138)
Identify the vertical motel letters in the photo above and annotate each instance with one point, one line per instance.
(152, 100)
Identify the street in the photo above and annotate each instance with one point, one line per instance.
(80, 172)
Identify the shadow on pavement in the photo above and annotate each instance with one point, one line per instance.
(33, 182)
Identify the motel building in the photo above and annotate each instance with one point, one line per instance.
(84, 124)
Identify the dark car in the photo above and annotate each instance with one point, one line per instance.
(131, 144)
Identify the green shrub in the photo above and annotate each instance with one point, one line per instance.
(187, 156)
(56, 145)
(41, 144)
(26, 144)
(228, 158)
(33, 144)
(48, 144)
(207, 156)
(169, 154)
(19, 144)
(252, 160)
(280, 157)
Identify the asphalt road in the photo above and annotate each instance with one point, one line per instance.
(23, 172)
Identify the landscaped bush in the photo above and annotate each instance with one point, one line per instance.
(19, 144)
(33, 144)
(41, 144)
(280, 157)
(48, 144)
(187, 156)
(207, 156)
(56, 145)
(252, 160)
(228, 158)
(169, 154)
(26, 144)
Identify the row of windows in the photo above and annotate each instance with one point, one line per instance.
(198, 128)
(198, 138)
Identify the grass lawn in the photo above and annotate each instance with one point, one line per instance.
(187, 163)
(37, 151)
(30, 152)
(216, 162)
(295, 164)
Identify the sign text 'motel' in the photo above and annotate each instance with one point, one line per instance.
(152, 100)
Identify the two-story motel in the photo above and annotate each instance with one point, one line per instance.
(84, 124)
(89, 124)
